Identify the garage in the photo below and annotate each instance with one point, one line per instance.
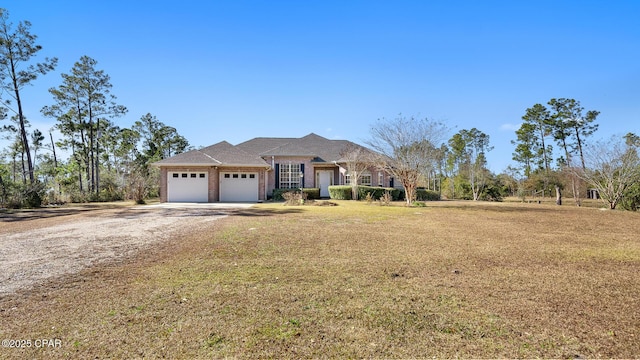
(239, 186)
(187, 186)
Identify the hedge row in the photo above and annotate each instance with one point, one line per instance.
(312, 193)
(343, 192)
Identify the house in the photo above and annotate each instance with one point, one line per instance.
(250, 171)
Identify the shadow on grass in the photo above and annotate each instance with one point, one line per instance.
(45, 213)
(250, 212)
(126, 212)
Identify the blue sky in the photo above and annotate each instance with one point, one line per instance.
(234, 70)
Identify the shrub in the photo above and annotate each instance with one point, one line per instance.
(377, 192)
(369, 198)
(311, 193)
(340, 192)
(631, 198)
(427, 195)
(343, 192)
(491, 193)
(294, 197)
(386, 198)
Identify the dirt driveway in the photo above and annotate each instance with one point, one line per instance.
(45, 243)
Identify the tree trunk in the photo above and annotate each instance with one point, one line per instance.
(55, 164)
(558, 195)
(24, 171)
(23, 131)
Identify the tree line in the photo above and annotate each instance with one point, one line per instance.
(415, 151)
(106, 162)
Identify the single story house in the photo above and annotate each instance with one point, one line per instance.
(250, 171)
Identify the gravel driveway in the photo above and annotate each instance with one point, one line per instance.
(48, 243)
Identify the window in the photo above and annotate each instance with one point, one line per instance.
(226, 176)
(289, 176)
(175, 175)
(194, 175)
(380, 178)
(365, 179)
(235, 176)
(184, 175)
(252, 176)
(202, 176)
(244, 176)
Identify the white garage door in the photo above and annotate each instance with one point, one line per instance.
(187, 187)
(238, 186)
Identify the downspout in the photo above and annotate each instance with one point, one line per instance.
(266, 185)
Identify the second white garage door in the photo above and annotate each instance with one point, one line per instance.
(238, 186)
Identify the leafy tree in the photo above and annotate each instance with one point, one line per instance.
(36, 140)
(570, 130)
(468, 149)
(18, 47)
(407, 148)
(539, 117)
(571, 127)
(531, 147)
(83, 105)
(159, 141)
(525, 152)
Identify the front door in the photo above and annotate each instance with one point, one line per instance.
(324, 179)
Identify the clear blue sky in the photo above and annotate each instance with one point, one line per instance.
(234, 70)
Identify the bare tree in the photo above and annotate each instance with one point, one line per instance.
(407, 148)
(357, 160)
(611, 167)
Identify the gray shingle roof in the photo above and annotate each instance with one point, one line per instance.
(221, 153)
(323, 149)
(250, 153)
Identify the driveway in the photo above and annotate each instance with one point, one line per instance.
(175, 205)
(46, 243)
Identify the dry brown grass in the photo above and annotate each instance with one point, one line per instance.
(454, 279)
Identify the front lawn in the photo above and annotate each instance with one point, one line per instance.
(452, 279)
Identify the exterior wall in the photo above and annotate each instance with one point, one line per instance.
(214, 184)
(163, 184)
(374, 177)
(266, 178)
(309, 175)
(310, 169)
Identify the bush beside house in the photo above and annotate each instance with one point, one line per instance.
(312, 193)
